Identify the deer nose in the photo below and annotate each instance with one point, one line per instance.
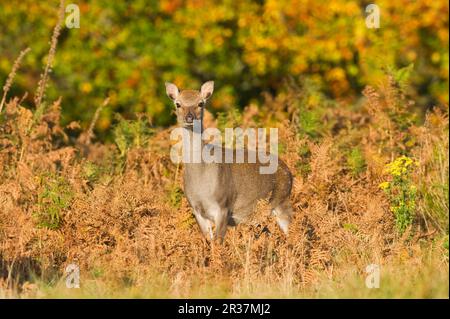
(189, 118)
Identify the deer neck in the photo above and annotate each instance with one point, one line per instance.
(194, 146)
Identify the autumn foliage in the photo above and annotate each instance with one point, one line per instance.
(127, 50)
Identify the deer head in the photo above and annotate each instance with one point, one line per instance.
(189, 104)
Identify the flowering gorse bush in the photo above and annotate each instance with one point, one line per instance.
(401, 191)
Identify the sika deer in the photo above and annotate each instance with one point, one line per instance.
(223, 194)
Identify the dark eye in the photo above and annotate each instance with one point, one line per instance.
(201, 104)
(177, 104)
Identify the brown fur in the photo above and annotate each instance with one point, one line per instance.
(223, 194)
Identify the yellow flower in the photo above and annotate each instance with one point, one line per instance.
(399, 166)
(384, 185)
(86, 87)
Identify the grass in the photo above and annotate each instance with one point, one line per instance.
(419, 279)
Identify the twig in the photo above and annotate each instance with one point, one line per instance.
(43, 82)
(90, 132)
(11, 76)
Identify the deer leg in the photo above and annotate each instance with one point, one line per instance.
(283, 213)
(204, 224)
(221, 222)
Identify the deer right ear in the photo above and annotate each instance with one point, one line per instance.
(207, 89)
(172, 91)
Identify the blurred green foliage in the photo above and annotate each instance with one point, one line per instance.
(127, 49)
(356, 161)
(54, 197)
(131, 133)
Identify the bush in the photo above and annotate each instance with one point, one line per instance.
(401, 191)
(127, 51)
(54, 198)
(356, 161)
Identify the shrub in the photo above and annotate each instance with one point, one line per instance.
(53, 199)
(401, 191)
(249, 46)
(231, 119)
(356, 161)
(129, 133)
(175, 195)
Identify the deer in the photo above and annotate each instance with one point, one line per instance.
(226, 194)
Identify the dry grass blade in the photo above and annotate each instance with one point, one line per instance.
(43, 82)
(11, 76)
(90, 131)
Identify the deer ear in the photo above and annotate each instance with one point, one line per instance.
(172, 91)
(207, 89)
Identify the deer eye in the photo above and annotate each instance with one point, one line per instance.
(201, 104)
(177, 104)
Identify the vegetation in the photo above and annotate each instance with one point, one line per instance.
(126, 51)
(370, 173)
(401, 192)
(52, 200)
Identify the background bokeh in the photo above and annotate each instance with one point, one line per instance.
(127, 49)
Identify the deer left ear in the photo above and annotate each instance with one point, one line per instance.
(207, 89)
